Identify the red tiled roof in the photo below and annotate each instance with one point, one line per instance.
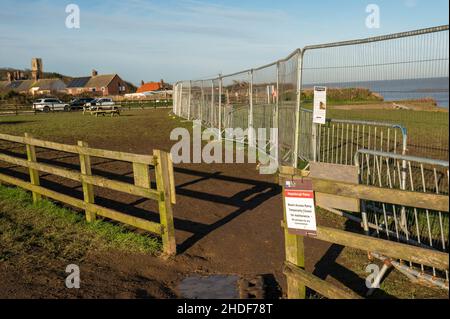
(148, 87)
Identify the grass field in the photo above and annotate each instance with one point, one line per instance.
(73, 126)
(57, 231)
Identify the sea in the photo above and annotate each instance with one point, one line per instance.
(398, 90)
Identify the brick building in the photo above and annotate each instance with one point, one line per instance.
(105, 85)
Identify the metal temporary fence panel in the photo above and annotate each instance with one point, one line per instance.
(287, 107)
(264, 102)
(196, 100)
(236, 94)
(185, 96)
(397, 78)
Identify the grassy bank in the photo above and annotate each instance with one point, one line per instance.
(46, 230)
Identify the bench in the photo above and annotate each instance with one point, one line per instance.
(113, 112)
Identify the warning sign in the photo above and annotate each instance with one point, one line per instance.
(320, 105)
(300, 208)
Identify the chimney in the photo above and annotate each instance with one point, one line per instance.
(142, 82)
(37, 69)
(94, 73)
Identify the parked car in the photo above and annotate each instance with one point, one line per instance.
(101, 104)
(77, 104)
(50, 104)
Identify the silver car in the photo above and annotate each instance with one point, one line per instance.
(101, 104)
(50, 104)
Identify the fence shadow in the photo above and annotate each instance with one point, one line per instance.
(328, 266)
(243, 201)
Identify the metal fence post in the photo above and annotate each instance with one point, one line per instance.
(211, 113)
(189, 101)
(276, 115)
(176, 101)
(251, 136)
(202, 99)
(182, 108)
(403, 220)
(297, 111)
(220, 105)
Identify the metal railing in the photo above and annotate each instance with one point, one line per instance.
(419, 227)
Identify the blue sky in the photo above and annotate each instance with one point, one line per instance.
(190, 39)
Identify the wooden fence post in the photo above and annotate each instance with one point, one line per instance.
(141, 175)
(34, 174)
(88, 189)
(163, 181)
(295, 254)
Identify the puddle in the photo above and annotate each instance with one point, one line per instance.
(210, 287)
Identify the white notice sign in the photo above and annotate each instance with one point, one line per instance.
(320, 105)
(300, 209)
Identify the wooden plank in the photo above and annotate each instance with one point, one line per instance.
(334, 172)
(141, 175)
(383, 195)
(88, 189)
(98, 210)
(77, 176)
(123, 187)
(322, 287)
(391, 249)
(165, 206)
(338, 173)
(295, 254)
(34, 174)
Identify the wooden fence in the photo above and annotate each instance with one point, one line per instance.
(294, 268)
(13, 109)
(164, 193)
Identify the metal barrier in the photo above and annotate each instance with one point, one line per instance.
(410, 225)
(364, 77)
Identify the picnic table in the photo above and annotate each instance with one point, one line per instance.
(115, 110)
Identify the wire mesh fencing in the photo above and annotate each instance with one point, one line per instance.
(400, 78)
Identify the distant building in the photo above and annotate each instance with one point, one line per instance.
(110, 84)
(17, 82)
(43, 86)
(153, 87)
(47, 86)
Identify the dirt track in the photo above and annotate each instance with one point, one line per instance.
(227, 221)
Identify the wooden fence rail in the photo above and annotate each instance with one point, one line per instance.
(16, 109)
(298, 279)
(164, 193)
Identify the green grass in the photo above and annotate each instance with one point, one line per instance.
(71, 127)
(50, 230)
